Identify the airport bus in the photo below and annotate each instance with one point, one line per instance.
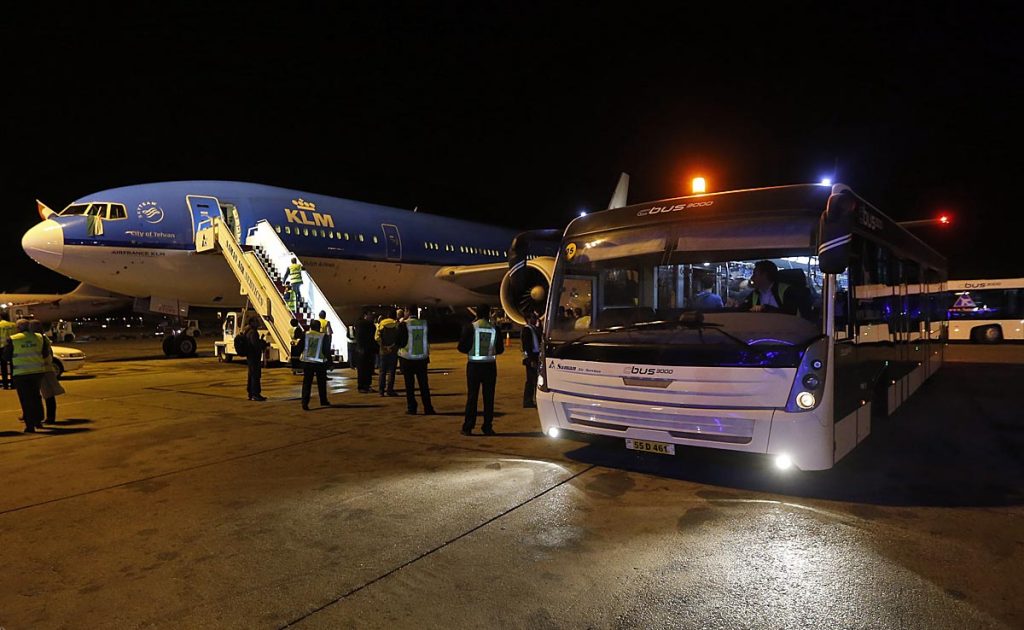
(984, 311)
(648, 336)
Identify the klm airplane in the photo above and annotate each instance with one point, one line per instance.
(140, 241)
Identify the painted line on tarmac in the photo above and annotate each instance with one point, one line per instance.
(168, 474)
(438, 547)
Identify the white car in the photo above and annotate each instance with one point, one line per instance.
(67, 359)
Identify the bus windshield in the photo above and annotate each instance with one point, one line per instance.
(641, 287)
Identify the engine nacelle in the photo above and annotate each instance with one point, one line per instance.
(524, 289)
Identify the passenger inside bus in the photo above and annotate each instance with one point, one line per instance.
(779, 294)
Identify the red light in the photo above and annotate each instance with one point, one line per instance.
(944, 219)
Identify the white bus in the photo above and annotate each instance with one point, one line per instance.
(984, 311)
(650, 338)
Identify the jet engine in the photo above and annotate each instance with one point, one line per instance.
(524, 289)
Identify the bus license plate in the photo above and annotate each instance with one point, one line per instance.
(651, 447)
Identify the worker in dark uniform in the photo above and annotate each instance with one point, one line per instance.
(367, 352)
(298, 343)
(26, 351)
(414, 357)
(531, 341)
(254, 360)
(479, 341)
(314, 363)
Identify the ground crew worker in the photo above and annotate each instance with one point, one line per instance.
(254, 361)
(49, 386)
(328, 332)
(295, 276)
(414, 356)
(7, 328)
(366, 348)
(479, 341)
(387, 339)
(314, 363)
(298, 343)
(25, 350)
(530, 337)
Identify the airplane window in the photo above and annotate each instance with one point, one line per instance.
(78, 208)
(287, 229)
(117, 211)
(98, 210)
(346, 236)
(323, 233)
(375, 239)
(305, 231)
(277, 228)
(330, 235)
(361, 239)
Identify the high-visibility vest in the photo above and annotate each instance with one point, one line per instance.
(28, 354)
(324, 326)
(755, 297)
(314, 347)
(417, 348)
(295, 274)
(484, 338)
(6, 330)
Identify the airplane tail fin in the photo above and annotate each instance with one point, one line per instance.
(621, 191)
(44, 211)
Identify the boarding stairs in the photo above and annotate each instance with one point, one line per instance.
(261, 267)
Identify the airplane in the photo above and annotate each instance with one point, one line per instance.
(140, 241)
(84, 301)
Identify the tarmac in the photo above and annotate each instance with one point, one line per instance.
(163, 498)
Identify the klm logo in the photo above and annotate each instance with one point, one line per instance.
(305, 214)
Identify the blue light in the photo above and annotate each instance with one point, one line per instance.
(826, 182)
(583, 213)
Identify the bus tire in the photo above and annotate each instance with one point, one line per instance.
(987, 334)
(170, 346)
(186, 345)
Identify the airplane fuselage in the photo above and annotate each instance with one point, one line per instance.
(140, 241)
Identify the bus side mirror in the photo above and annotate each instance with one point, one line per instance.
(835, 233)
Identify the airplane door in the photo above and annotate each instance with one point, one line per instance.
(202, 208)
(393, 241)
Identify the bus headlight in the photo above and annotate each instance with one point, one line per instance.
(811, 381)
(805, 400)
(783, 462)
(540, 381)
(554, 432)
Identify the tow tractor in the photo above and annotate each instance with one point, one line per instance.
(61, 332)
(234, 323)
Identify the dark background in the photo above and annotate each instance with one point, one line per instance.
(523, 114)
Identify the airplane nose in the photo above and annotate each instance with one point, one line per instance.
(45, 244)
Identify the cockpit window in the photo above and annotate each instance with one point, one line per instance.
(117, 211)
(75, 208)
(98, 210)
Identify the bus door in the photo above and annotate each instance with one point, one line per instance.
(393, 241)
(203, 209)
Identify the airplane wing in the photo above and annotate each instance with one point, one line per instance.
(477, 278)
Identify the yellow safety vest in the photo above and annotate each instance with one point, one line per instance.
(417, 348)
(295, 273)
(324, 325)
(313, 351)
(28, 354)
(6, 330)
(484, 338)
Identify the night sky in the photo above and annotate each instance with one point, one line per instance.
(523, 114)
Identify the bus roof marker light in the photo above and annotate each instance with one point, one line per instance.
(699, 185)
(783, 462)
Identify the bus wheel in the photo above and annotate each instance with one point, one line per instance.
(987, 334)
(170, 346)
(186, 346)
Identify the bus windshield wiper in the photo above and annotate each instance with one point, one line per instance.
(694, 320)
(615, 329)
